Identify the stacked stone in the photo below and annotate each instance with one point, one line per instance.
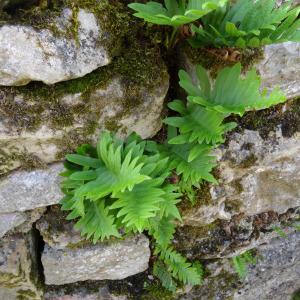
(259, 168)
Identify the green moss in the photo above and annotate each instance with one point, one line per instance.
(286, 116)
(26, 295)
(156, 291)
(248, 162)
(10, 155)
(233, 206)
(215, 59)
(111, 15)
(296, 295)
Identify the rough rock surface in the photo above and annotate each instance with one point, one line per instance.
(256, 175)
(62, 58)
(42, 130)
(279, 67)
(233, 237)
(113, 260)
(18, 270)
(56, 231)
(275, 276)
(19, 221)
(92, 292)
(22, 190)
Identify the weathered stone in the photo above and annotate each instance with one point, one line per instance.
(10, 221)
(279, 67)
(62, 58)
(260, 175)
(277, 273)
(21, 190)
(39, 130)
(275, 276)
(231, 238)
(19, 221)
(18, 268)
(56, 231)
(93, 291)
(112, 260)
(256, 175)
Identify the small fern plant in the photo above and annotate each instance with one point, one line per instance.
(201, 124)
(121, 187)
(248, 23)
(175, 13)
(241, 262)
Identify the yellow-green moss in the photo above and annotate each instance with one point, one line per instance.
(10, 155)
(111, 15)
(213, 59)
(286, 115)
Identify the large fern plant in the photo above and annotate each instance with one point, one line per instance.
(248, 23)
(175, 13)
(121, 187)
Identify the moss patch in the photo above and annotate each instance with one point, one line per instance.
(216, 59)
(287, 116)
(111, 14)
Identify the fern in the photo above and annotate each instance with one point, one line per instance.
(230, 93)
(179, 267)
(122, 186)
(248, 23)
(175, 13)
(241, 262)
(161, 272)
(193, 162)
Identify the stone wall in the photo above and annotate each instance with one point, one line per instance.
(60, 88)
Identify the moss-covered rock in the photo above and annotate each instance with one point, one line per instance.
(19, 277)
(277, 64)
(64, 40)
(40, 123)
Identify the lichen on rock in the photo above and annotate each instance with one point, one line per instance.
(69, 42)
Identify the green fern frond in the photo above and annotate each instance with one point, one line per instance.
(180, 268)
(195, 170)
(248, 23)
(240, 266)
(241, 262)
(230, 93)
(139, 204)
(175, 13)
(97, 222)
(199, 125)
(162, 273)
(162, 230)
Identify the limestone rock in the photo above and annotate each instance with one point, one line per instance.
(10, 221)
(260, 175)
(21, 190)
(24, 49)
(277, 274)
(112, 260)
(256, 175)
(19, 221)
(230, 238)
(56, 231)
(19, 276)
(40, 124)
(93, 291)
(279, 67)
